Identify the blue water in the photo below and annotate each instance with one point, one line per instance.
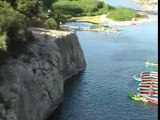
(123, 3)
(100, 92)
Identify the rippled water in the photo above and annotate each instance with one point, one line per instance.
(100, 92)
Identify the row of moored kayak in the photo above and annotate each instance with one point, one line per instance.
(147, 88)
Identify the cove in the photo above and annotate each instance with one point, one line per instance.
(100, 92)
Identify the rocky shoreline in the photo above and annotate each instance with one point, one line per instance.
(93, 28)
(147, 6)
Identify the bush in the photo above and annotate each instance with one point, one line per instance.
(13, 33)
(29, 8)
(122, 14)
(11, 24)
(77, 7)
(51, 23)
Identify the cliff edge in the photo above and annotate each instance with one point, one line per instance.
(31, 86)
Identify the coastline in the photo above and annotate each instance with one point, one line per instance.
(102, 19)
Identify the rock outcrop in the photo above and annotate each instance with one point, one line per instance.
(31, 86)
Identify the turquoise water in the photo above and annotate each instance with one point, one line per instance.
(100, 92)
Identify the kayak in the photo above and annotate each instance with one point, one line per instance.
(145, 85)
(137, 98)
(155, 95)
(144, 88)
(155, 83)
(149, 80)
(150, 99)
(147, 91)
(137, 77)
(154, 88)
(149, 77)
(148, 63)
(149, 72)
(155, 91)
(141, 76)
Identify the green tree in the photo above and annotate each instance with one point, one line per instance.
(28, 8)
(51, 23)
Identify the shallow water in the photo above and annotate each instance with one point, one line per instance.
(100, 92)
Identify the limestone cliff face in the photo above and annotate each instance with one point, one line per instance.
(31, 86)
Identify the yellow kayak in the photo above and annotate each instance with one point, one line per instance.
(137, 97)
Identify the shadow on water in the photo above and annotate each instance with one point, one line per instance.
(70, 86)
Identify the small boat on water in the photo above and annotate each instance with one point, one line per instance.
(150, 99)
(154, 95)
(149, 72)
(149, 77)
(149, 63)
(155, 83)
(149, 80)
(144, 88)
(148, 85)
(150, 91)
(146, 78)
(137, 77)
(155, 88)
(144, 85)
(137, 97)
(141, 87)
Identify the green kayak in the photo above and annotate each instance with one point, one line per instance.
(137, 98)
(148, 63)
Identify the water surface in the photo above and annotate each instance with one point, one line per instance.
(100, 92)
(123, 3)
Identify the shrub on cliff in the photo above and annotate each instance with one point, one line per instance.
(13, 33)
(51, 23)
(29, 8)
(12, 23)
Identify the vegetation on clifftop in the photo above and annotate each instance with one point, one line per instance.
(17, 15)
(76, 8)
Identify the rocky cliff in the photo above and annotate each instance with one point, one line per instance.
(31, 86)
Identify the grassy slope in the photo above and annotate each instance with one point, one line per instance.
(94, 8)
